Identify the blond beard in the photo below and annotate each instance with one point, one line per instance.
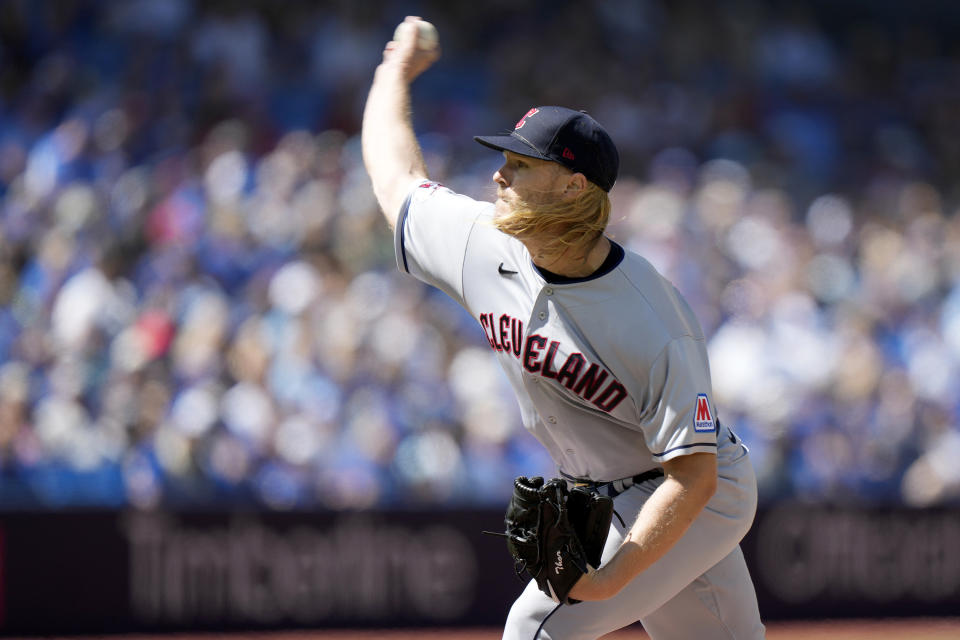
(504, 207)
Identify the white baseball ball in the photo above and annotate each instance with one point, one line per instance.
(427, 36)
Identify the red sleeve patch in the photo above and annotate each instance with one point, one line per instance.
(702, 418)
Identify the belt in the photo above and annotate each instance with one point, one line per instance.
(613, 488)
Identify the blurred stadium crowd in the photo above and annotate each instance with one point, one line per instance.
(198, 298)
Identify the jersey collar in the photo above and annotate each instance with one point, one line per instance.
(613, 260)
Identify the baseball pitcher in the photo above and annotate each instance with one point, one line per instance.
(609, 366)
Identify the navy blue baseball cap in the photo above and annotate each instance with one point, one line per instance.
(569, 137)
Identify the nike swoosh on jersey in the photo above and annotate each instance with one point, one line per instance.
(505, 272)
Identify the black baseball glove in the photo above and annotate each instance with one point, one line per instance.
(555, 533)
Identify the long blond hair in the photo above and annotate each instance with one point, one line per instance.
(573, 225)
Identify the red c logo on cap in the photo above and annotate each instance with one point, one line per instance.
(523, 120)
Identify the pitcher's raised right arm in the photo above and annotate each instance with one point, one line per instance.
(391, 153)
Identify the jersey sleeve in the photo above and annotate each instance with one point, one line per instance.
(681, 418)
(431, 235)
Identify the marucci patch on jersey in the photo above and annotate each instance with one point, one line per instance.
(702, 418)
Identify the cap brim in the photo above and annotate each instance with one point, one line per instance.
(510, 143)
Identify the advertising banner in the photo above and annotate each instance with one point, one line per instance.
(97, 572)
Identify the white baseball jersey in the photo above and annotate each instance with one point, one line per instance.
(610, 371)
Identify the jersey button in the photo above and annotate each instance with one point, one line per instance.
(542, 315)
(552, 420)
(548, 291)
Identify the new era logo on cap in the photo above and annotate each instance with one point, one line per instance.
(702, 418)
(571, 138)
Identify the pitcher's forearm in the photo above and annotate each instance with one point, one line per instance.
(391, 153)
(666, 516)
(664, 519)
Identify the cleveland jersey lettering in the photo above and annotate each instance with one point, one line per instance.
(538, 354)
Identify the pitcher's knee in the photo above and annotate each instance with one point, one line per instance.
(523, 621)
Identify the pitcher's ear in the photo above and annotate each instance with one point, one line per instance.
(576, 184)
